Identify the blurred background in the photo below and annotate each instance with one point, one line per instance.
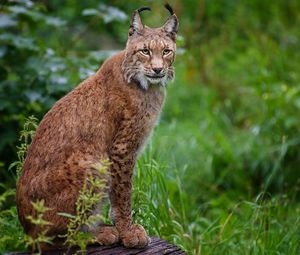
(225, 157)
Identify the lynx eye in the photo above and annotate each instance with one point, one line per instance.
(166, 52)
(145, 52)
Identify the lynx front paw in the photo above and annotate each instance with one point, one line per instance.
(136, 237)
(108, 235)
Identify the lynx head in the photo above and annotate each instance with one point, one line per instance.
(150, 52)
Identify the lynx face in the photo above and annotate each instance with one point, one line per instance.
(150, 52)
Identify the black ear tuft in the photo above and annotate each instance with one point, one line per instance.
(171, 25)
(169, 8)
(143, 9)
(136, 23)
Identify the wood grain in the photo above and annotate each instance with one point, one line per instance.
(156, 246)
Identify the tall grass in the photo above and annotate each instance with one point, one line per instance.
(221, 225)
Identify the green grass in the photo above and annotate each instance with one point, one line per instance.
(224, 224)
(11, 232)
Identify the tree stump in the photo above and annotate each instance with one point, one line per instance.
(156, 246)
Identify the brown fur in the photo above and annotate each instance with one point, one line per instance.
(109, 115)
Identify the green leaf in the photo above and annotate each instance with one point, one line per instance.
(7, 21)
(54, 21)
(110, 13)
(90, 12)
(19, 42)
(67, 215)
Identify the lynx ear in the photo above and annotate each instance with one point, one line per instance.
(136, 24)
(171, 25)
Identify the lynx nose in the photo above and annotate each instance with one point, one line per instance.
(157, 70)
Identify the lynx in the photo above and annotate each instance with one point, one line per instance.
(108, 116)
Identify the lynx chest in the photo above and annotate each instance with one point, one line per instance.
(150, 106)
(146, 108)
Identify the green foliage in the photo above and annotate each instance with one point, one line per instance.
(26, 136)
(221, 225)
(12, 236)
(7, 193)
(89, 196)
(34, 243)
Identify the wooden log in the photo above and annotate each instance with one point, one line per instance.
(156, 246)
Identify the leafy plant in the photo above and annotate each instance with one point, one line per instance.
(92, 192)
(26, 136)
(12, 235)
(34, 243)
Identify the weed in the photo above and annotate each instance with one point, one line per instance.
(35, 242)
(91, 193)
(12, 235)
(26, 136)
